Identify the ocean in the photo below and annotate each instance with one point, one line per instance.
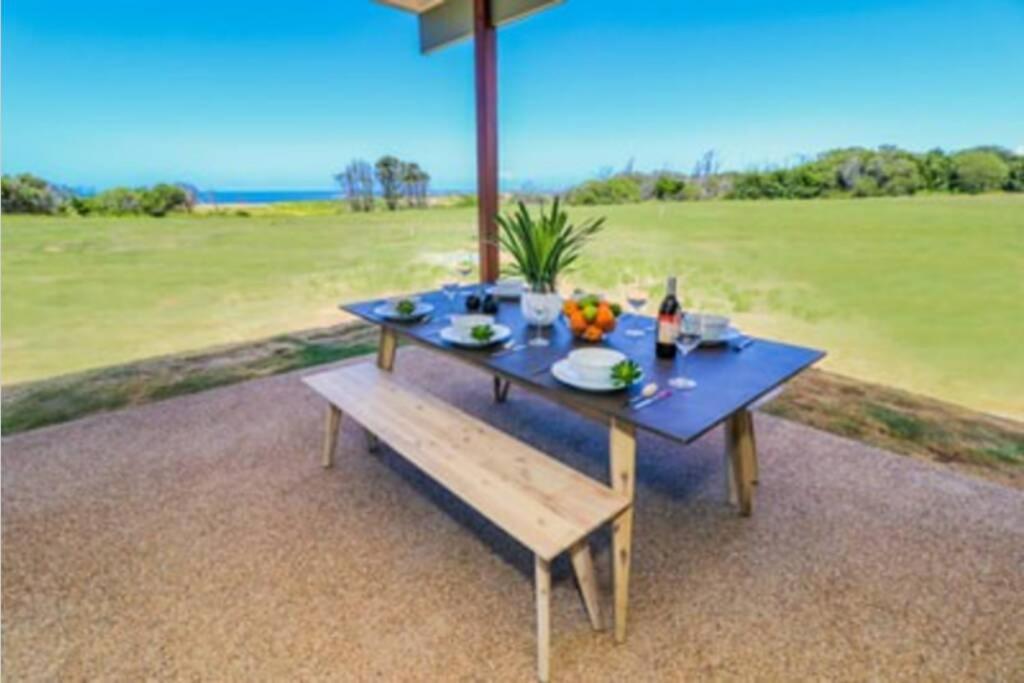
(265, 196)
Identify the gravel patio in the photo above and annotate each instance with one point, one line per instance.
(199, 538)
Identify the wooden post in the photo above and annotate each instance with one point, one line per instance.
(485, 47)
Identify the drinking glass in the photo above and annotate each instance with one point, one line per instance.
(690, 334)
(464, 267)
(636, 297)
(450, 288)
(538, 339)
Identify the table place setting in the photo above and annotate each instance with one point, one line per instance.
(475, 331)
(409, 309)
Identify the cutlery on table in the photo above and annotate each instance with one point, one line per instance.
(647, 391)
(664, 393)
(742, 344)
(508, 347)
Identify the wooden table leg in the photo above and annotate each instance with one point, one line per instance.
(622, 451)
(386, 349)
(741, 454)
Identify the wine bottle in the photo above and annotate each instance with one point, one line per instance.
(669, 315)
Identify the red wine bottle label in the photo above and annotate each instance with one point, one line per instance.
(668, 329)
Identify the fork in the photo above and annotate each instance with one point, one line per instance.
(508, 347)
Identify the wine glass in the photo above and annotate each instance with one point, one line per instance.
(539, 312)
(690, 334)
(636, 297)
(464, 267)
(450, 288)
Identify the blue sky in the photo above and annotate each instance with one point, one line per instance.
(265, 94)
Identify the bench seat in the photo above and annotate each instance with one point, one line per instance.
(547, 506)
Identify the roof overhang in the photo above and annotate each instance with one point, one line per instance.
(445, 22)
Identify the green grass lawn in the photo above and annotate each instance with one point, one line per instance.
(923, 293)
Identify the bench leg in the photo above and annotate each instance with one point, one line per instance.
(583, 566)
(542, 579)
(501, 388)
(622, 448)
(331, 434)
(742, 456)
(386, 349)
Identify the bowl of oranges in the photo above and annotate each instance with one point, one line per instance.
(590, 317)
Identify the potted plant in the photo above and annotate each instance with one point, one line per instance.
(541, 249)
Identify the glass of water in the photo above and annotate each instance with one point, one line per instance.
(690, 334)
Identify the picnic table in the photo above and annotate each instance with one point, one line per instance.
(729, 383)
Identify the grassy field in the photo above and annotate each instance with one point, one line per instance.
(926, 294)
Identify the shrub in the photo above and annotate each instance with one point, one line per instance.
(866, 186)
(26, 193)
(979, 171)
(158, 200)
(1015, 181)
(162, 199)
(116, 201)
(620, 189)
(668, 187)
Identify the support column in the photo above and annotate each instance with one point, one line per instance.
(485, 46)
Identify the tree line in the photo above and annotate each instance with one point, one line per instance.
(26, 193)
(396, 179)
(847, 172)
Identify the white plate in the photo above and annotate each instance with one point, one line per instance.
(564, 373)
(731, 334)
(388, 311)
(454, 336)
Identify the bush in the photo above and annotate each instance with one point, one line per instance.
(1015, 181)
(866, 186)
(668, 187)
(162, 199)
(26, 193)
(158, 200)
(979, 171)
(620, 189)
(117, 201)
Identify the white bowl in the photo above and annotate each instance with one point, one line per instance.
(465, 323)
(595, 365)
(709, 326)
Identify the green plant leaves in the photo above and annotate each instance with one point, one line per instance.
(545, 247)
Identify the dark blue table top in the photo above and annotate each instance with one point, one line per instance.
(727, 380)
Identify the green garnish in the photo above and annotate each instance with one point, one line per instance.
(625, 373)
(405, 307)
(482, 333)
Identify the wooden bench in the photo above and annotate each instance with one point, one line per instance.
(545, 505)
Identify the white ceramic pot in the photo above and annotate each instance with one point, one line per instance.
(540, 308)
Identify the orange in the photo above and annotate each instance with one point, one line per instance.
(570, 306)
(577, 323)
(605, 318)
(593, 333)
